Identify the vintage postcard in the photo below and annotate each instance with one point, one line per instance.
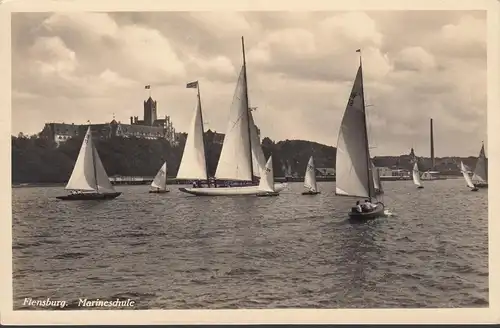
(238, 162)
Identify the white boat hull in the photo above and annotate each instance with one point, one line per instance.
(230, 191)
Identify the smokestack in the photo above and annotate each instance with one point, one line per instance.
(432, 146)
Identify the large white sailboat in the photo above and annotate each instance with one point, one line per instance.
(310, 183)
(240, 159)
(354, 168)
(467, 178)
(159, 184)
(89, 180)
(480, 174)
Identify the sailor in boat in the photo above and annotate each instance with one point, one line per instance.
(358, 207)
(368, 206)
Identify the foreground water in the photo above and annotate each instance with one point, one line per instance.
(173, 250)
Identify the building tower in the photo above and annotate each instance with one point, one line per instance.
(150, 107)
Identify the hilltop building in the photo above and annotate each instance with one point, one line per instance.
(149, 128)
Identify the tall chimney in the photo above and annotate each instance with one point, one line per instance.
(432, 146)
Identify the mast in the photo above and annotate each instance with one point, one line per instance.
(247, 107)
(368, 164)
(93, 159)
(202, 133)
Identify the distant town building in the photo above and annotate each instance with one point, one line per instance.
(325, 171)
(149, 128)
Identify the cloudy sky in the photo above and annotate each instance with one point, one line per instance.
(76, 67)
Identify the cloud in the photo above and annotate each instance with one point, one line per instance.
(416, 64)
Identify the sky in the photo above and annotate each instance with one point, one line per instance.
(78, 66)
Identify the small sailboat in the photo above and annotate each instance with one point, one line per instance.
(159, 184)
(266, 184)
(353, 164)
(416, 176)
(467, 178)
(310, 179)
(89, 180)
(376, 180)
(480, 174)
(240, 156)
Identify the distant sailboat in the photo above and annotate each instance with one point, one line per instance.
(416, 176)
(480, 175)
(310, 179)
(159, 184)
(376, 180)
(89, 180)
(354, 168)
(238, 154)
(266, 185)
(467, 178)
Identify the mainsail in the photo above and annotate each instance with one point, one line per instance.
(416, 175)
(266, 183)
(353, 166)
(193, 163)
(310, 176)
(480, 171)
(89, 173)
(160, 180)
(466, 175)
(235, 161)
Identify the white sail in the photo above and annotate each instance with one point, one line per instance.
(266, 183)
(310, 176)
(193, 163)
(376, 178)
(160, 180)
(416, 175)
(235, 157)
(353, 168)
(466, 175)
(480, 173)
(258, 158)
(88, 173)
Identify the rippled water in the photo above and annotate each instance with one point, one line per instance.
(180, 251)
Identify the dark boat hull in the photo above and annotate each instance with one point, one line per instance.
(420, 187)
(311, 193)
(267, 194)
(158, 191)
(378, 211)
(474, 189)
(90, 196)
(481, 185)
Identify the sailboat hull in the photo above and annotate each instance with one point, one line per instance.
(378, 211)
(420, 187)
(159, 191)
(230, 191)
(311, 193)
(481, 185)
(267, 194)
(90, 196)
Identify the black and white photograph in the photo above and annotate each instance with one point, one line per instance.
(239, 158)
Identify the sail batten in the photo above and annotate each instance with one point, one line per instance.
(353, 165)
(310, 176)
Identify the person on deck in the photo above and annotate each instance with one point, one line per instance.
(358, 207)
(369, 205)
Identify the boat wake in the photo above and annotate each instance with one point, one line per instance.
(388, 213)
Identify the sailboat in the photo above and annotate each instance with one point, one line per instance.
(266, 184)
(89, 180)
(467, 178)
(376, 180)
(310, 179)
(353, 164)
(240, 155)
(416, 176)
(480, 175)
(160, 181)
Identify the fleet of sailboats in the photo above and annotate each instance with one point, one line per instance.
(242, 167)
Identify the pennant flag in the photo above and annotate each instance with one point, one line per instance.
(147, 87)
(359, 50)
(191, 85)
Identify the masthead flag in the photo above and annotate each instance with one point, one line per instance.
(191, 85)
(147, 87)
(359, 50)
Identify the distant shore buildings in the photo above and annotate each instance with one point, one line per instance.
(149, 128)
